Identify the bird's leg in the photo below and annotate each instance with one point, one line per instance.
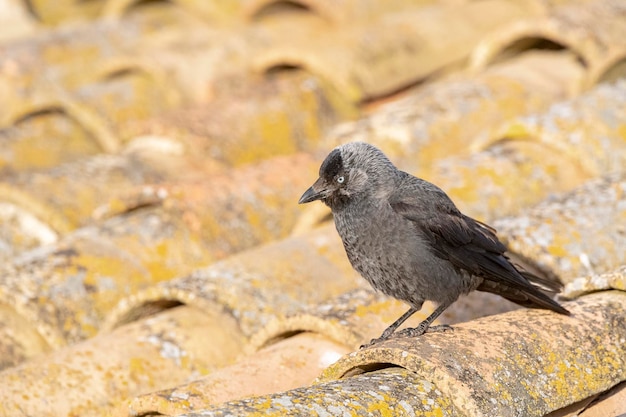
(424, 327)
(389, 330)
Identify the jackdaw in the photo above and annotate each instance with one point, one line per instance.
(408, 240)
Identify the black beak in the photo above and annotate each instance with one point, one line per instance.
(315, 192)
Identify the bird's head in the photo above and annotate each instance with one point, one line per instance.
(349, 171)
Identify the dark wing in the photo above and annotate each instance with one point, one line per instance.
(468, 244)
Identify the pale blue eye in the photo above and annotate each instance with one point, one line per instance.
(340, 180)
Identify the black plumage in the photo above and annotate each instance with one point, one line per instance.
(407, 238)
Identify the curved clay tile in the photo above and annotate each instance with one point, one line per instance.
(588, 284)
(577, 234)
(77, 194)
(258, 284)
(585, 130)
(448, 116)
(331, 12)
(521, 36)
(72, 195)
(94, 377)
(591, 31)
(527, 361)
(383, 55)
(343, 12)
(62, 57)
(289, 363)
(299, 346)
(611, 403)
(39, 68)
(64, 11)
(358, 315)
(16, 21)
(212, 11)
(99, 109)
(610, 68)
(554, 151)
(235, 300)
(26, 145)
(97, 286)
(255, 120)
(20, 341)
(172, 230)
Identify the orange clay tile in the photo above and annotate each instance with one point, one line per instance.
(16, 21)
(570, 25)
(259, 284)
(292, 362)
(248, 120)
(588, 284)
(528, 361)
(450, 115)
(153, 172)
(272, 77)
(555, 151)
(65, 290)
(610, 404)
(576, 234)
(93, 377)
(366, 61)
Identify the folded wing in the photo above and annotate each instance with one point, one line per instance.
(471, 245)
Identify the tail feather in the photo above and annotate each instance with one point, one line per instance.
(552, 286)
(529, 297)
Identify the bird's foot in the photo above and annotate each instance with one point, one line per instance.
(419, 330)
(410, 332)
(387, 334)
(374, 341)
(440, 328)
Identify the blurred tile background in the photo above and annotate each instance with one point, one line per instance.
(154, 260)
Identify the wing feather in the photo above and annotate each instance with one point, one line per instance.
(468, 244)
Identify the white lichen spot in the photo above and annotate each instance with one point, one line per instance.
(427, 386)
(179, 395)
(376, 395)
(30, 225)
(337, 411)
(172, 351)
(407, 407)
(493, 400)
(283, 401)
(167, 349)
(321, 411)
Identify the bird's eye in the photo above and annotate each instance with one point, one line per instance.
(340, 179)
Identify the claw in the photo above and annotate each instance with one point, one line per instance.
(374, 341)
(410, 332)
(440, 328)
(418, 331)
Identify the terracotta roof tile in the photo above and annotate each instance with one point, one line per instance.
(519, 363)
(154, 259)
